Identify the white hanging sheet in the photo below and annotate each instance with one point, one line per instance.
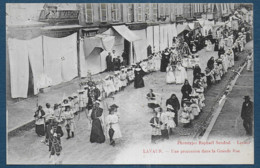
(149, 36)
(140, 46)
(69, 65)
(60, 58)
(52, 59)
(83, 69)
(19, 68)
(156, 38)
(36, 60)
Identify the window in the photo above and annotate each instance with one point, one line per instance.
(89, 12)
(147, 11)
(115, 12)
(162, 11)
(155, 12)
(167, 9)
(139, 12)
(130, 12)
(103, 12)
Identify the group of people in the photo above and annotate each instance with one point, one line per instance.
(114, 62)
(50, 121)
(192, 102)
(164, 121)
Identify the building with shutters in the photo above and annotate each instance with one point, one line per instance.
(152, 23)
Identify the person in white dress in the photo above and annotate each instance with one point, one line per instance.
(158, 58)
(180, 73)
(185, 117)
(123, 78)
(195, 109)
(106, 86)
(209, 46)
(249, 62)
(112, 122)
(224, 63)
(117, 81)
(230, 56)
(170, 77)
(170, 121)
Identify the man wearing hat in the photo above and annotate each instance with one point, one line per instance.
(247, 115)
(109, 62)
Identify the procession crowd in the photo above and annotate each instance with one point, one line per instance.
(175, 61)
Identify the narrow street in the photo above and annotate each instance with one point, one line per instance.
(26, 148)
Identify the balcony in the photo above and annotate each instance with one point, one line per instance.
(59, 16)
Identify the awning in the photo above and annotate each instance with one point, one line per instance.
(126, 33)
(181, 28)
(106, 42)
(194, 25)
(201, 22)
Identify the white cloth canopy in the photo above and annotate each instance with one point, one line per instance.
(201, 22)
(191, 25)
(95, 61)
(126, 33)
(106, 42)
(19, 68)
(94, 57)
(181, 28)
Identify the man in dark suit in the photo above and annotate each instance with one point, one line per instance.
(247, 115)
(109, 62)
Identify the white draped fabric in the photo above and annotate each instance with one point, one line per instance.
(82, 69)
(149, 36)
(156, 38)
(36, 61)
(163, 37)
(60, 58)
(140, 46)
(94, 61)
(19, 68)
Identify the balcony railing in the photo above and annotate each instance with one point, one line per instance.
(52, 15)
